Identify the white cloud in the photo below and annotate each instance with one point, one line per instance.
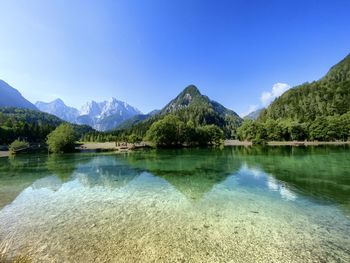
(277, 90)
(267, 97)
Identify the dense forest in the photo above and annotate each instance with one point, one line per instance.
(31, 125)
(313, 111)
(167, 131)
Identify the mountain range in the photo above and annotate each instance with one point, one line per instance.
(329, 96)
(59, 109)
(190, 105)
(101, 116)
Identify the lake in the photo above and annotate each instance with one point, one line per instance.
(237, 204)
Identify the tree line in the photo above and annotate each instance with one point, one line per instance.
(29, 125)
(167, 131)
(328, 128)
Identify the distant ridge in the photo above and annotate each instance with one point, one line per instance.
(135, 120)
(102, 116)
(10, 97)
(59, 109)
(253, 115)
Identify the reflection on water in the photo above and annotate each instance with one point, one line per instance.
(238, 204)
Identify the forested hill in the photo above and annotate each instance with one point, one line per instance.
(30, 125)
(328, 96)
(190, 106)
(313, 111)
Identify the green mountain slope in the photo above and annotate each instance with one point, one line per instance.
(191, 106)
(31, 125)
(127, 124)
(328, 96)
(313, 111)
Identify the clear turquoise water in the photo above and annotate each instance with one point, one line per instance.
(276, 204)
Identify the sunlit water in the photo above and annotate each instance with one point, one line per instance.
(232, 205)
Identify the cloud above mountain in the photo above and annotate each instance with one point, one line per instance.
(267, 97)
(277, 90)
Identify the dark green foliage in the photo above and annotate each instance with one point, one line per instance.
(62, 139)
(330, 128)
(30, 125)
(134, 139)
(327, 97)
(96, 136)
(168, 131)
(171, 131)
(314, 111)
(327, 128)
(18, 145)
(209, 135)
(251, 130)
(191, 106)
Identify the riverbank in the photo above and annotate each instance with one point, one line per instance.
(127, 147)
(285, 143)
(109, 146)
(4, 153)
(112, 146)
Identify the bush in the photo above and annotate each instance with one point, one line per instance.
(133, 138)
(171, 131)
(210, 135)
(61, 139)
(166, 132)
(18, 145)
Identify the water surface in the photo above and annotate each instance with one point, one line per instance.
(275, 204)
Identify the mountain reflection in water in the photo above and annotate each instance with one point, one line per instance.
(195, 205)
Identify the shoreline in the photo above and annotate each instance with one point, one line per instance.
(109, 146)
(4, 154)
(307, 143)
(128, 147)
(286, 143)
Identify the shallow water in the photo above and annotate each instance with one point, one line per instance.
(276, 204)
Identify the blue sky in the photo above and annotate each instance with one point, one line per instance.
(146, 51)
